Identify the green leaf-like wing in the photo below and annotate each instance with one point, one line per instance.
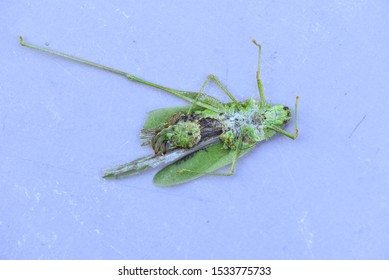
(205, 160)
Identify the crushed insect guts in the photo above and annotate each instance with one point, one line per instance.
(202, 137)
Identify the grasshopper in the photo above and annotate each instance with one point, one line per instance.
(202, 137)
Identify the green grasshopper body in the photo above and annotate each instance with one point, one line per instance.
(203, 137)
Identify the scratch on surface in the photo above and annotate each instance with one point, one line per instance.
(96, 232)
(4, 121)
(125, 15)
(51, 107)
(113, 248)
(122, 12)
(117, 251)
(307, 235)
(70, 73)
(355, 128)
(48, 165)
(26, 193)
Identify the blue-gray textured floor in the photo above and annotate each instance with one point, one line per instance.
(323, 196)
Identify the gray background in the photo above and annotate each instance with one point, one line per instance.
(323, 196)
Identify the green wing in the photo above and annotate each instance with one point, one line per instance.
(203, 161)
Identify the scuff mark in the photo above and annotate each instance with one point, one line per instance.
(355, 128)
(307, 235)
(123, 13)
(4, 120)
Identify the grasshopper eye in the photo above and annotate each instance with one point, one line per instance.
(288, 114)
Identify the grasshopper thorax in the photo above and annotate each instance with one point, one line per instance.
(253, 121)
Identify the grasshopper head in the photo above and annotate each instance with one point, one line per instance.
(277, 115)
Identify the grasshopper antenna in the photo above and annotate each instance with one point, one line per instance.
(109, 69)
